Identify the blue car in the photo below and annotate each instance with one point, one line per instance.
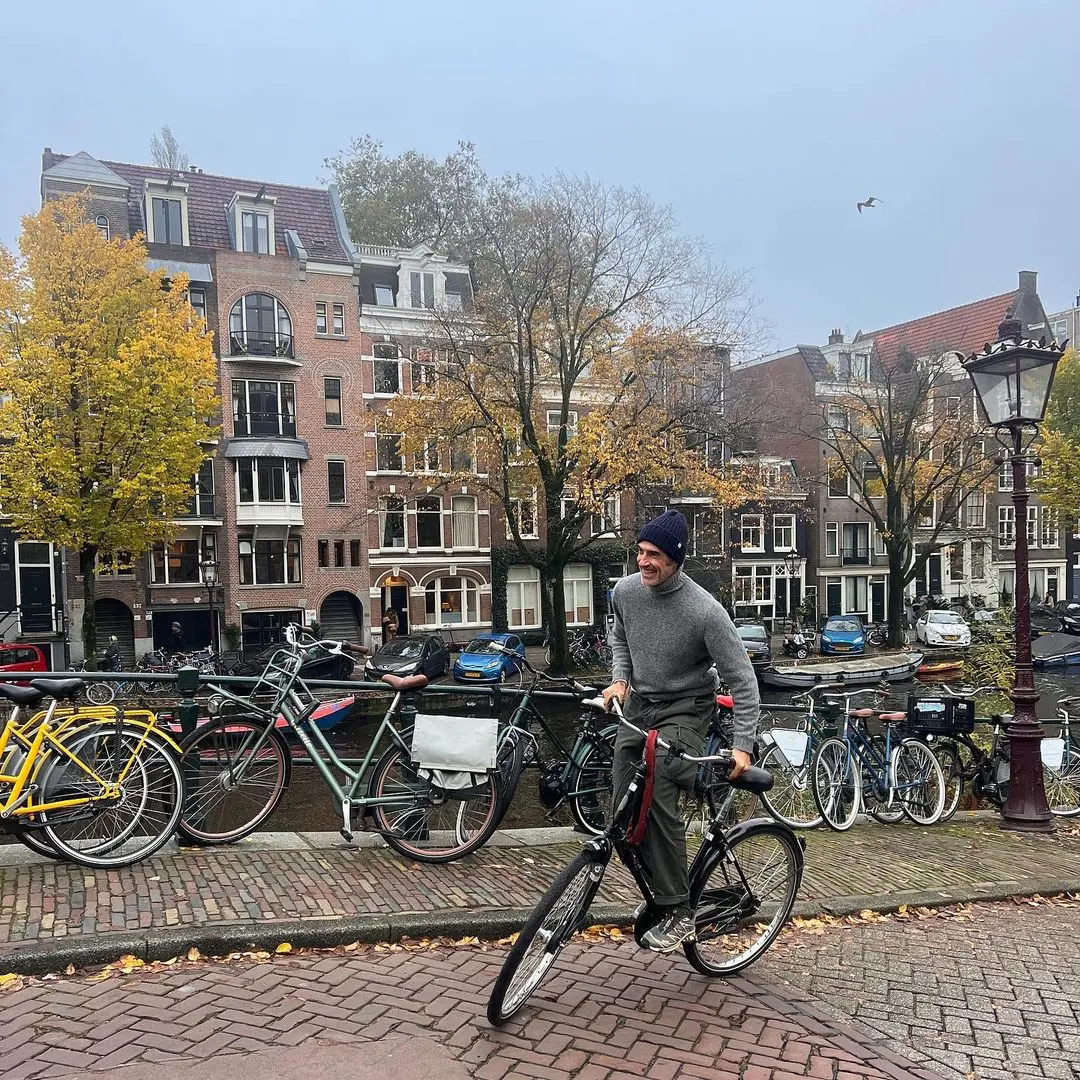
(843, 635)
(481, 662)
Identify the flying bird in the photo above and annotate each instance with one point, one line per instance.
(869, 202)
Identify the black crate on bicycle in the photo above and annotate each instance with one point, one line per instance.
(941, 716)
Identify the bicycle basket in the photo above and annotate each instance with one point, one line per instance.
(941, 716)
(455, 754)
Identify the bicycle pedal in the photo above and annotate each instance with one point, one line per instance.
(347, 835)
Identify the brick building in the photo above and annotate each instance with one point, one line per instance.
(276, 517)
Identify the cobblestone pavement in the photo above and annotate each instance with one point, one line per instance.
(609, 1013)
(251, 883)
(991, 993)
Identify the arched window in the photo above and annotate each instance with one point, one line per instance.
(259, 325)
(102, 223)
(452, 601)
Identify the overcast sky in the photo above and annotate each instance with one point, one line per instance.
(762, 123)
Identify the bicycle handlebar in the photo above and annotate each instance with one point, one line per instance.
(577, 687)
(970, 691)
(616, 708)
(294, 635)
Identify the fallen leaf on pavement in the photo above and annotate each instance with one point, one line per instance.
(284, 947)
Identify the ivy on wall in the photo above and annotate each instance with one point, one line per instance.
(599, 557)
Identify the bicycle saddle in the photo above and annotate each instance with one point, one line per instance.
(21, 695)
(892, 717)
(58, 688)
(754, 779)
(408, 682)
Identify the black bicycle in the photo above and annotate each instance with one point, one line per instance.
(743, 884)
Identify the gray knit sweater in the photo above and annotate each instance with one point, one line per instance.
(666, 636)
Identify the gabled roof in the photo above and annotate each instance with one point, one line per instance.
(81, 168)
(308, 211)
(815, 361)
(965, 328)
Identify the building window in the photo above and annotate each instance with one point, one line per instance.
(387, 452)
(102, 223)
(522, 597)
(332, 399)
(956, 562)
(783, 531)
(427, 459)
(429, 522)
(423, 368)
(324, 554)
(168, 220)
(452, 601)
(269, 480)
(952, 408)
(262, 629)
(120, 564)
(880, 548)
(391, 522)
(1048, 532)
(975, 509)
(320, 318)
(422, 290)
(978, 560)
(175, 563)
(384, 296)
(354, 552)
(270, 562)
(860, 367)
(1033, 525)
(856, 543)
(454, 301)
(264, 408)
(838, 480)
(578, 594)
(339, 553)
(832, 539)
(753, 538)
(201, 503)
(856, 595)
(197, 299)
(606, 523)
(1006, 525)
(259, 325)
(463, 518)
(462, 457)
(523, 512)
(836, 418)
(555, 425)
(387, 368)
(255, 231)
(335, 483)
(337, 315)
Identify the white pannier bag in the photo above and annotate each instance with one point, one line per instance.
(455, 753)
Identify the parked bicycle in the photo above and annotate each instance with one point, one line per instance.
(890, 775)
(239, 767)
(588, 648)
(743, 885)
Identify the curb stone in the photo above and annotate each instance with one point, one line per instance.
(487, 924)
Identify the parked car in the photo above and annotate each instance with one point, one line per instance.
(480, 662)
(319, 664)
(942, 628)
(412, 654)
(756, 639)
(844, 634)
(15, 657)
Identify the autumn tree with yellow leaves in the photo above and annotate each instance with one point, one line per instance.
(109, 383)
(911, 449)
(587, 368)
(1058, 483)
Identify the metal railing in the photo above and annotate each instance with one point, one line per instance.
(260, 343)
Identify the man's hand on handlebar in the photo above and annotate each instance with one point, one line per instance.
(616, 691)
(740, 762)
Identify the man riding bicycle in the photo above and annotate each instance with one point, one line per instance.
(667, 632)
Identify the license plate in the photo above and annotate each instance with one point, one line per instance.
(472, 674)
(841, 648)
(951, 637)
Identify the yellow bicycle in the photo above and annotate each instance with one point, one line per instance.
(100, 787)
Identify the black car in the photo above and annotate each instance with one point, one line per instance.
(410, 655)
(756, 639)
(319, 664)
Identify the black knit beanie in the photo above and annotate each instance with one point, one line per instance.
(668, 533)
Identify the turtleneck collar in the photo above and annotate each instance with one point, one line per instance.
(673, 584)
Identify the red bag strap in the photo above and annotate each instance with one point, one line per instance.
(637, 832)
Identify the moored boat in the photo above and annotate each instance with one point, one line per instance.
(943, 669)
(1052, 649)
(856, 670)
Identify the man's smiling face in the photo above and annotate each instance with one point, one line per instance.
(654, 565)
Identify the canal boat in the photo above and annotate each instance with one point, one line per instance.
(855, 670)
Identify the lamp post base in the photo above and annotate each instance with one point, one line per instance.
(1025, 809)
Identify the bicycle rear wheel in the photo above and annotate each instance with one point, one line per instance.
(743, 902)
(235, 773)
(99, 693)
(1062, 785)
(561, 912)
(953, 772)
(837, 784)
(122, 830)
(920, 784)
(589, 782)
(791, 799)
(423, 823)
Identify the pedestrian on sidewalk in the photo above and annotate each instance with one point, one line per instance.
(667, 633)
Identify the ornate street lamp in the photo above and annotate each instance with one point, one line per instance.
(210, 580)
(1012, 378)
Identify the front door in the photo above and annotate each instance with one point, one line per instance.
(933, 566)
(397, 597)
(877, 599)
(35, 591)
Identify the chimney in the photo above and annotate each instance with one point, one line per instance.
(1028, 280)
(1078, 299)
(836, 337)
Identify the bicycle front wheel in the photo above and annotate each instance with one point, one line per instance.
(953, 773)
(837, 784)
(1062, 785)
(99, 693)
(791, 799)
(919, 782)
(589, 782)
(235, 772)
(742, 904)
(424, 823)
(562, 911)
(132, 824)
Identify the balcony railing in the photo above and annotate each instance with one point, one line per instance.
(260, 343)
(265, 423)
(200, 506)
(856, 556)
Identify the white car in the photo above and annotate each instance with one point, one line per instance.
(942, 628)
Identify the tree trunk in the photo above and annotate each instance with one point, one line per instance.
(87, 567)
(897, 586)
(554, 613)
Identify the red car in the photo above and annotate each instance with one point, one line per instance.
(15, 657)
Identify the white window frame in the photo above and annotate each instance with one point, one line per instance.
(860, 367)
(952, 407)
(429, 513)
(515, 504)
(250, 202)
(469, 591)
(427, 458)
(385, 510)
(606, 523)
(427, 303)
(1006, 526)
(742, 585)
(832, 539)
(458, 515)
(554, 423)
(393, 361)
(1033, 526)
(101, 223)
(377, 289)
(190, 538)
(161, 189)
(878, 541)
(783, 524)
(522, 579)
(381, 435)
(578, 585)
(748, 528)
(847, 483)
(969, 519)
(836, 417)
(288, 467)
(928, 521)
(293, 571)
(282, 412)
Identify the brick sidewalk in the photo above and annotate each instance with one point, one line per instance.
(255, 890)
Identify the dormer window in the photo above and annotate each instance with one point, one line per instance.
(166, 212)
(384, 296)
(251, 222)
(422, 290)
